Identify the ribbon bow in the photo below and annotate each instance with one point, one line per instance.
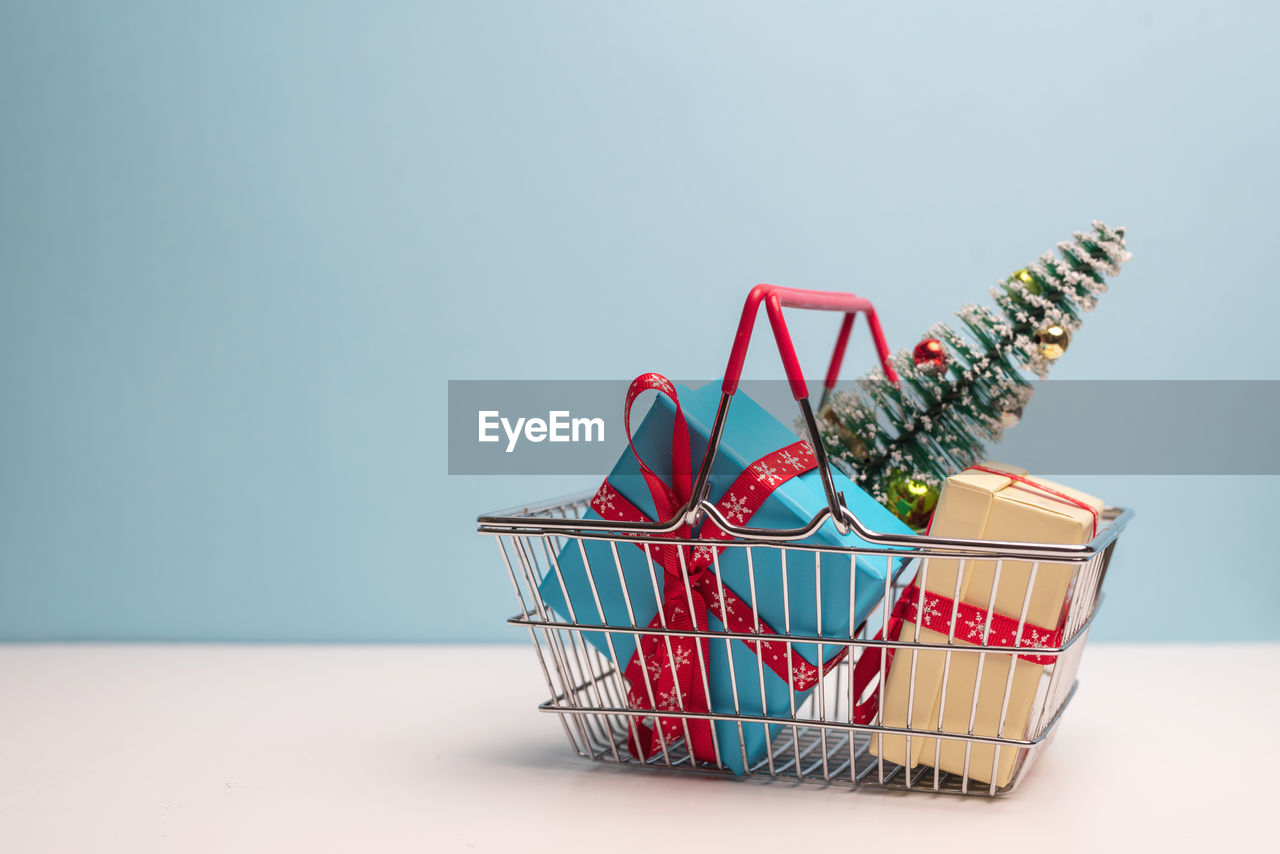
(669, 672)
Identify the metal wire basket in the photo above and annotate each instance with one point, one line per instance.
(827, 736)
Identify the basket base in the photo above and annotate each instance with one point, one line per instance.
(801, 754)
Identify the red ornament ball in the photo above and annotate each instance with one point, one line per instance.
(930, 356)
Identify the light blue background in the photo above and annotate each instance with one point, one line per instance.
(244, 245)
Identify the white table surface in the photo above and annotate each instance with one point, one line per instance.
(439, 748)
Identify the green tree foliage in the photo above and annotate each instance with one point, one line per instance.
(939, 421)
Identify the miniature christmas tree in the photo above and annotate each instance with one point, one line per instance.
(959, 390)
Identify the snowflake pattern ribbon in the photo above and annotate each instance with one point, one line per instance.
(935, 611)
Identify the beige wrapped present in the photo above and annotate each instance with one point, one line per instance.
(984, 506)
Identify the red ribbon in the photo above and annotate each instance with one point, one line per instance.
(935, 612)
(669, 672)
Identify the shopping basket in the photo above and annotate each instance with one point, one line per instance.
(826, 737)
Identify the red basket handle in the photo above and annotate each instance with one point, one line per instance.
(774, 298)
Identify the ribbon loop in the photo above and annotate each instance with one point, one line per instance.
(668, 499)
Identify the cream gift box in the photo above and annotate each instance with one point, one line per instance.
(982, 505)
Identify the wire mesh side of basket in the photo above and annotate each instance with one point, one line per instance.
(819, 741)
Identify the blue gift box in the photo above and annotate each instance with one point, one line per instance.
(749, 434)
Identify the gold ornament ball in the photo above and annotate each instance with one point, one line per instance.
(1052, 341)
(1029, 283)
(913, 501)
